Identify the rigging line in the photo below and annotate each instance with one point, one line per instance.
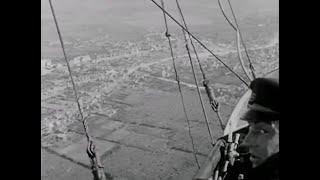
(179, 86)
(238, 43)
(225, 16)
(199, 93)
(220, 119)
(97, 168)
(213, 102)
(276, 69)
(242, 41)
(196, 82)
(68, 65)
(225, 65)
(240, 58)
(194, 49)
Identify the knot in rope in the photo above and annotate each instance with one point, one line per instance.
(96, 167)
(167, 34)
(215, 106)
(91, 150)
(213, 102)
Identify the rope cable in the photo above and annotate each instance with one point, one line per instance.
(213, 102)
(238, 40)
(199, 93)
(237, 28)
(240, 57)
(179, 86)
(236, 22)
(96, 166)
(191, 42)
(196, 82)
(225, 16)
(206, 48)
(242, 41)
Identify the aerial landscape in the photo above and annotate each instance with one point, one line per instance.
(121, 64)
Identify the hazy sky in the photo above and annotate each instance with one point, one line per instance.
(129, 18)
(241, 6)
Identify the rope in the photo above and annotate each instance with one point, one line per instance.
(241, 39)
(213, 102)
(179, 86)
(97, 168)
(240, 57)
(225, 65)
(191, 42)
(238, 42)
(196, 82)
(244, 45)
(276, 69)
(225, 16)
(215, 106)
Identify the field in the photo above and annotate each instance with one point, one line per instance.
(124, 74)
